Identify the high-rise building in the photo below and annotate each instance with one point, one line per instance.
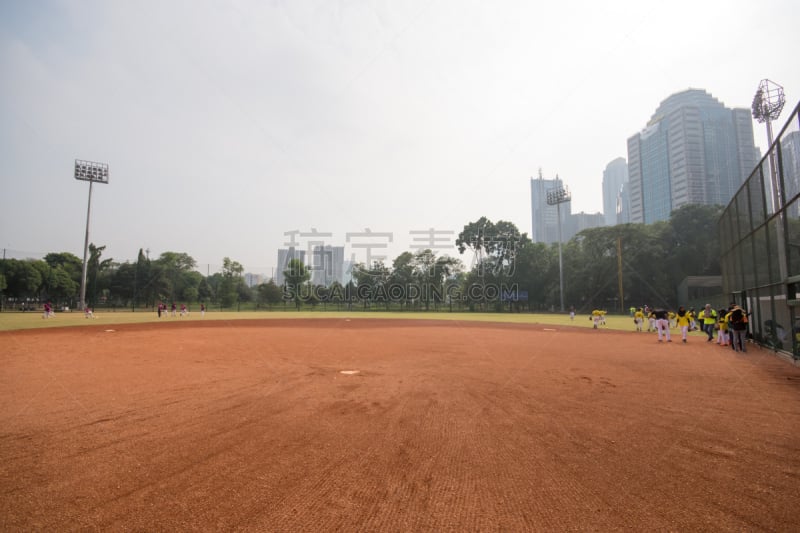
(614, 177)
(284, 256)
(578, 222)
(693, 150)
(251, 280)
(544, 218)
(327, 265)
(790, 169)
(624, 204)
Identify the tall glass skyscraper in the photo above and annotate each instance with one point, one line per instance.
(544, 218)
(614, 177)
(694, 150)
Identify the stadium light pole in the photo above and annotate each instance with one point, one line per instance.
(767, 106)
(92, 172)
(557, 196)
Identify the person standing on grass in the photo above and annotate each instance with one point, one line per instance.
(595, 318)
(683, 321)
(638, 318)
(661, 317)
(202, 310)
(709, 318)
(651, 321)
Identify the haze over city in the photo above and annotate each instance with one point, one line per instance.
(227, 124)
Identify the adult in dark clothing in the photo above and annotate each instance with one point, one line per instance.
(738, 328)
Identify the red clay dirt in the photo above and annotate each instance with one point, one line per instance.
(447, 426)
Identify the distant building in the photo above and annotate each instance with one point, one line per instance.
(624, 204)
(790, 164)
(347, 272)
(581, 221)
(327, 265)
(693, 150)
(544, 220)
(251, 280)
(615, 176)
(284, 256)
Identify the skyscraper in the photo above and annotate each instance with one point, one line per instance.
(544, 220)
(327, 265)
(790, 169)
(284, 256)
(693, 150)
(614, 176)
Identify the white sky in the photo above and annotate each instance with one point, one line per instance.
(227, 124)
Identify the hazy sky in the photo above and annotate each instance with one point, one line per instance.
(228, 124)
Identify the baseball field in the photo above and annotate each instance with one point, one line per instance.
(349, 423)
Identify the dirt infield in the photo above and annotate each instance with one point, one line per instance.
(444, 426)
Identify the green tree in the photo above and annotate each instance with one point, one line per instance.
(403, 276)
(61, 287)
(97, 280)
(295, 276)
(166, 276)
(336, 294)
(536, 272)
(70, 263)
(3, 286)
(497, 241)
(372, 283)
(190, 283)
(269, 294)
(496, 246)
(123, 284)
(591, 266)
(230, 288)
(205, 293)
(695, 246)
(430, 273)
(23, 279)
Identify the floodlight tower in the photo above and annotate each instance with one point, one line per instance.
(557, 196)
(93, 173)
(767, 106)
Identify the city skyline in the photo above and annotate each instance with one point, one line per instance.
(228, 125)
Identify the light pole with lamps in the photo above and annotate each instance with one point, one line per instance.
(767, 106)
(557, 196)
(92, 172)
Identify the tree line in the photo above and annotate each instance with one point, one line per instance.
(498, 268)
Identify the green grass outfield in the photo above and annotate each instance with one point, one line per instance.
(30, 320)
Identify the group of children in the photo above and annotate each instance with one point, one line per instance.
(173, 310)
(48, 311)
(729, 324)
